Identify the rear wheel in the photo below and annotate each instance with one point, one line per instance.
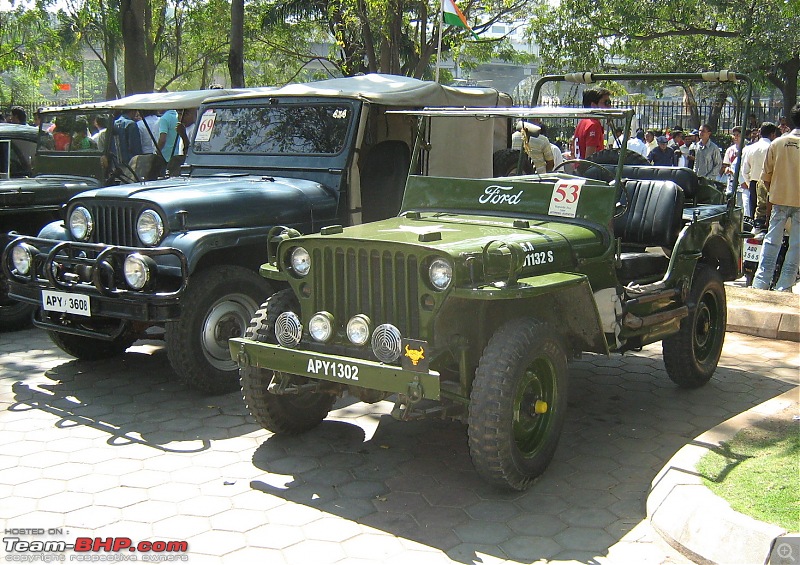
(218, 304)
(691, 355)
(518, 403)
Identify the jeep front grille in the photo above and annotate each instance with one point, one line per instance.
(115, 223)
(383, 285)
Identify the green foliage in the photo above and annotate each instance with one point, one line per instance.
(389, 36)
(756, 38)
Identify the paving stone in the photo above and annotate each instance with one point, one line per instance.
(372, 546)
(241, 494)
(483, 532)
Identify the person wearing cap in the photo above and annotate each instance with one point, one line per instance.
(530, 138)
(662, 155)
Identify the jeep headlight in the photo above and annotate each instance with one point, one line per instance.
(22, 258)
(80, 223)
(138, 270)
(320, 326)
(358, 329)
(300, 261)
(149, 227)
(441, 273)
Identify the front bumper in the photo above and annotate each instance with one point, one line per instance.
(371, 375)
(95, 271)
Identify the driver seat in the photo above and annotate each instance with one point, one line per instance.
(652, 218)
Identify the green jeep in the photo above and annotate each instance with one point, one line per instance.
(479, 293)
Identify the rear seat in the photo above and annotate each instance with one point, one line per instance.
(652, 218)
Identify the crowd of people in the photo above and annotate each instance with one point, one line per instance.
(767, 187)
(143, 132)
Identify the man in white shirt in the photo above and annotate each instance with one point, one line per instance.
(148, 131)
(638, 145)
(752, 166)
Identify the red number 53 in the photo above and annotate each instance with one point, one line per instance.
(567, 193)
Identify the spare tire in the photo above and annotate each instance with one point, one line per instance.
(505, 161)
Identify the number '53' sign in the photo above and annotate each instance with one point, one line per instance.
(565, 198)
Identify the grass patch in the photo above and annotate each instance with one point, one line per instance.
(758, 471)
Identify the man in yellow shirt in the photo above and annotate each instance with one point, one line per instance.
(781, 175)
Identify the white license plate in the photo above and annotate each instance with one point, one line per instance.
(69, 303)
(752, 252)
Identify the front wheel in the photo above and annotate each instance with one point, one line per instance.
(89, 348)
(691, 355)
(279, 413)
(14, 315)
(217, 306)
(518, 404)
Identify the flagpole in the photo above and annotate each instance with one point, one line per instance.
(439, 48)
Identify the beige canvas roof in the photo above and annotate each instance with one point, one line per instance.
(389, 90)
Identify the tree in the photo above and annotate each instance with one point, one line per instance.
(754, 37)
(95, 23)
(33, 44)
(236, 53)
(389, 36)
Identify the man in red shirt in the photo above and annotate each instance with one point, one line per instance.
(589, 134)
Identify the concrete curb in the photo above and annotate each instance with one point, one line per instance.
(762, 313)
(698, 523)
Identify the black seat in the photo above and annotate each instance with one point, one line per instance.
(683, 177)
(653, 218)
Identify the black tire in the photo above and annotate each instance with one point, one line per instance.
(282, 414)
(14, 315)
(611, 157)
(511, 441)
(691, 355)
(89, 348)
(505, 163)
(218, 304)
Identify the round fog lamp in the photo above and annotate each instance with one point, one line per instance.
(358, 329)
(321, 326)
(137, 271)
(440, 273)
(22, 258)
(301, 261)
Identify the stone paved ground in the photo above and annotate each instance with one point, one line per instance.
(116, 448)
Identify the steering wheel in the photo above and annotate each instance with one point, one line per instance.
(605, 174)
(120, 171)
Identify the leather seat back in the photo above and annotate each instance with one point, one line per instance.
(653, 216)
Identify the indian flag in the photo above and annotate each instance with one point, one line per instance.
(454, 17)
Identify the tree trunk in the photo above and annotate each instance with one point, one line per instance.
(236, 53)
(791, 69)
(139, 67)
